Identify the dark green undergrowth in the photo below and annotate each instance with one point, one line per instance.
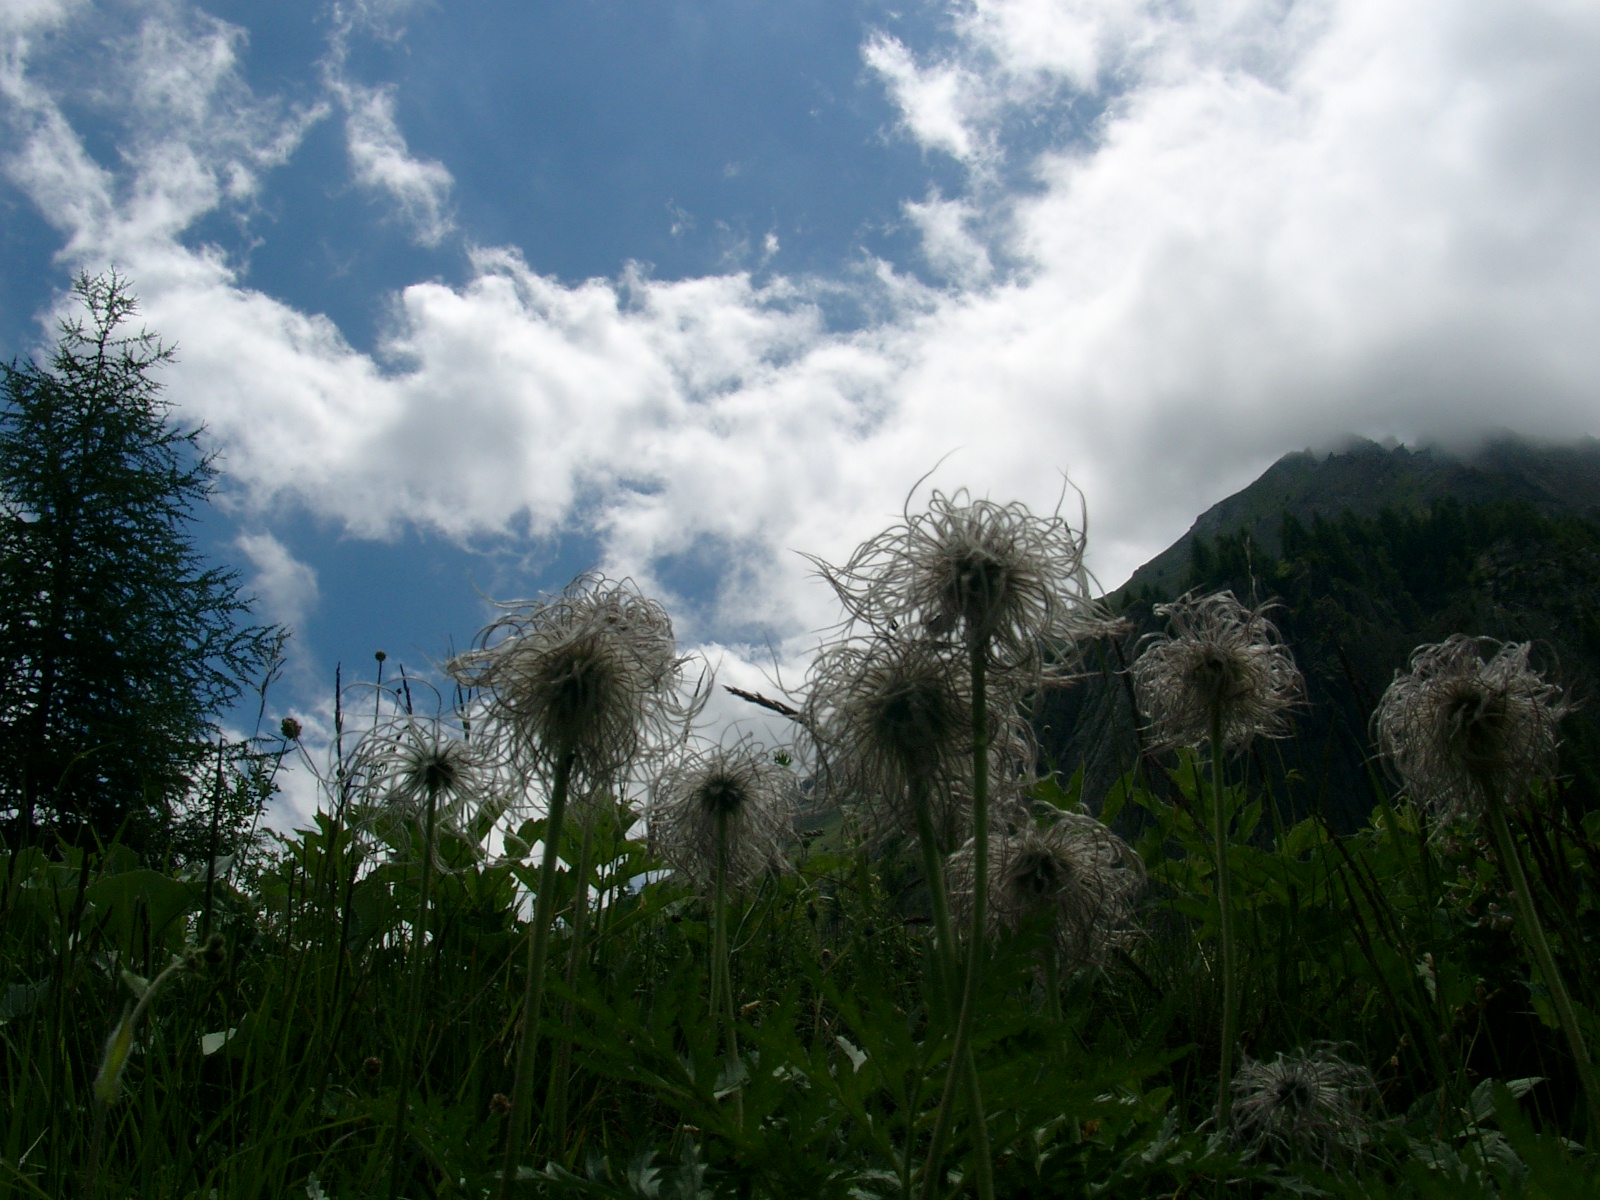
(275, 1072)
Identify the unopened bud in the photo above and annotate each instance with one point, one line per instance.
(290, 729)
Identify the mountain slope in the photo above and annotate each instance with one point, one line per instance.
(1368, 554)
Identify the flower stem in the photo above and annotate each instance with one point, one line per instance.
(1533, 934)
(938, 895)
(419, 935)
(721, 975)
(561, 1068)
(533, 996)
(1230, 972)
(961, 1059)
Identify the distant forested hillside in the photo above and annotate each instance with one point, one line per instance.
(1368, 555)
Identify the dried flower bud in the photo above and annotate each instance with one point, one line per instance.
(290, 728)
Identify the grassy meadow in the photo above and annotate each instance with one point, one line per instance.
(779, 970)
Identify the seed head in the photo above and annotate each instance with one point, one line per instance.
(740, 785)
(589, 676)
(892, 713)
(978, 570)
(1075, 874)
(403, 762)
(1470, 716)
(1310, 1104)
(1220, 659)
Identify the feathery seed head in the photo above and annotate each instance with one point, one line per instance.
(1470, 715)
(1310, 1104)
(1219, 660)
(1076, 874)
(740, 787)
(890, 714)
(989, 572)
(402, 763)
(587, 677)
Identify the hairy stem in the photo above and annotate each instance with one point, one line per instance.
(721, 973)
(961, 1059)
(419, 935)
(1533, 933)
(1230, 971)
(938, 896)
(561, 1068)
(533, 997)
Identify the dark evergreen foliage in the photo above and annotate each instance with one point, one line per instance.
(119, 644)
(1356, 595)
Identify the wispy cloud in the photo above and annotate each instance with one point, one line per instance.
(418, 187)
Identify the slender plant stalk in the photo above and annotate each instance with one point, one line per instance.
(721, 975)
(961, 1060)
(533, 996)
(419, 935)
(938, 894)
(1230, 971)
(561, 1069)
(1052, 982)
(1533, 934)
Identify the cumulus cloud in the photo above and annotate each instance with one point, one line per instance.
(939, 105)
(1285, 223)
(285, 587)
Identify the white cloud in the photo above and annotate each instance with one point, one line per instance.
(1290, 222)
(948, 242)
(939, 105)
(285, 586)
(420, 188)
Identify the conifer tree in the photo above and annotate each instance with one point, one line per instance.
(119, 644)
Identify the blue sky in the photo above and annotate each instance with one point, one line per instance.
(471, 297)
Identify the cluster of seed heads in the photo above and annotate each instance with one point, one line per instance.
(1220, 662)
(1469, 718)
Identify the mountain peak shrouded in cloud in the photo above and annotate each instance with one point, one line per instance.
(1364, 478)
(433, 281)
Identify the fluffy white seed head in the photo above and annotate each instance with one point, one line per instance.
(1220, 659)
(890, 714)
(1076, 874)
(1470, 715)
(741, 786)
(402, 762)
(590, 676)
(1311, 1104)
(975, 569)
